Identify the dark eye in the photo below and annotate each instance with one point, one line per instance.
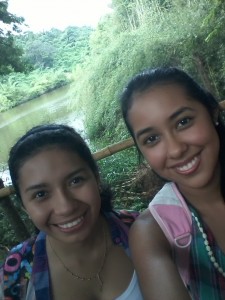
(40, 195)
(184, 122)
(151, 140)
(76, 180)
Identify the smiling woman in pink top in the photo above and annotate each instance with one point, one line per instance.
(178, 127)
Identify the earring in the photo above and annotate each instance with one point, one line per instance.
(216, 123)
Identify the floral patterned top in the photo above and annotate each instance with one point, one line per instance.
(25, 273)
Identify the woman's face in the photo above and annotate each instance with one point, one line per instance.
(176, 135)
(60, 193)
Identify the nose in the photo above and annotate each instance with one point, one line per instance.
(176, 147)
(63, 202)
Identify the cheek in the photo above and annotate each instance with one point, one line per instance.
(204, 136)
(155, 157)
(35, 212)
(214, 145)
(90, 194)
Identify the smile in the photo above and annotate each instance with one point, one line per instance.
(71, 224)
(190, 166)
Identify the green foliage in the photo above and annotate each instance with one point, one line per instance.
(49, 58)
(141, 34)
(103, 79)
(7, 233)
(118, 169)
(10, 53)
(17, 88)
(55, 48)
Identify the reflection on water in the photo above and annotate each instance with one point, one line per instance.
(51, 107)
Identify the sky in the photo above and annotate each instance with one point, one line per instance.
(42, 15)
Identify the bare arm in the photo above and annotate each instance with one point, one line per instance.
(151, 254)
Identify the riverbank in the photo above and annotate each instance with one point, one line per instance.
(52, 107)
(39, 94)
(22, 88)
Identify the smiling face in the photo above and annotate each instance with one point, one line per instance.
(60, 193)
(176, 135)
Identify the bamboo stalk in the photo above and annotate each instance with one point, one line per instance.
(112, 149)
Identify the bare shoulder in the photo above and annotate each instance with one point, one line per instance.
(144, 216)
(149, 246)
(145, 227)
(144, 219)
(152, 257)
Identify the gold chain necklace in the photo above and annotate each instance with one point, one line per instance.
(83, 278)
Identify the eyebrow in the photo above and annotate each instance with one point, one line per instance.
(44, 185)
(172, 117)
(35, 187)
(180, 111)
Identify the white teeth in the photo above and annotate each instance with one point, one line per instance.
(71, 224)
(189, 165)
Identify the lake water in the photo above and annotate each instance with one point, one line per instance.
(51, 107)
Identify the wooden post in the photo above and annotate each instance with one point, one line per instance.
(13, 216)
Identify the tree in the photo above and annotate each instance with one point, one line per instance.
(41, 54)
(10, 54)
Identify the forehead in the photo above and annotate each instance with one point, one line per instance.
(51, 157)
(163, 91)
(158, 103)
(41, 151)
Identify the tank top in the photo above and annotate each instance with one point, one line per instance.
(133, 291)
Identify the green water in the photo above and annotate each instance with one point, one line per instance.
(52, 107)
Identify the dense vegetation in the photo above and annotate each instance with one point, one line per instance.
(10, 53)
(143, 33)
(136, 35)
(49, 58)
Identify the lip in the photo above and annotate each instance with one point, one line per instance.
(71, 225)
(188, 166)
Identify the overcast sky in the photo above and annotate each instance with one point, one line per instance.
(45, 14)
